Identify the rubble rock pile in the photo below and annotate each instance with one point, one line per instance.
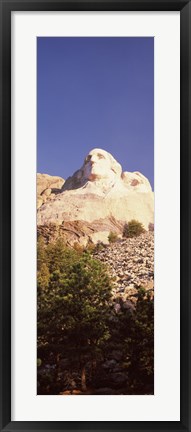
(130, 263)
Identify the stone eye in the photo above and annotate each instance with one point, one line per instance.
(87, 159)
(100, 156)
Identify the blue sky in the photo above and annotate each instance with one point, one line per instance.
(95, 92)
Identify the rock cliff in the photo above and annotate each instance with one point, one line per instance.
(96, 199)
(47, 187)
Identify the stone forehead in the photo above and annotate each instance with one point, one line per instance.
(115, 166)
(103, 152)
(97, 150)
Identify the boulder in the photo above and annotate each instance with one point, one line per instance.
(47, 185)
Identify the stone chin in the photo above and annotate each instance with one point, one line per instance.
(100, 177)
(94, 177)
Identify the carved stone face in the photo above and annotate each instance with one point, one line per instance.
(99, 164)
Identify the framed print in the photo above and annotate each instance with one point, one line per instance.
(95, 215)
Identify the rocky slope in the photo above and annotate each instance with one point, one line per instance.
(98, 198)
(131, 263)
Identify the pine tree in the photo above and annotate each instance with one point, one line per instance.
(73, 311)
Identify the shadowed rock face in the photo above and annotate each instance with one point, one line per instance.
(100, 190)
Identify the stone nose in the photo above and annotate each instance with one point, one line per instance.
(93, 158)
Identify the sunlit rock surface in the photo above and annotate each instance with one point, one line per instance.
(99, 194)
(47, 186)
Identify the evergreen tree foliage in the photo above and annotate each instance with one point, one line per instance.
(73, 309)
(79, 329)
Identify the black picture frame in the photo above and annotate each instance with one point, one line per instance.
(6, 7)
